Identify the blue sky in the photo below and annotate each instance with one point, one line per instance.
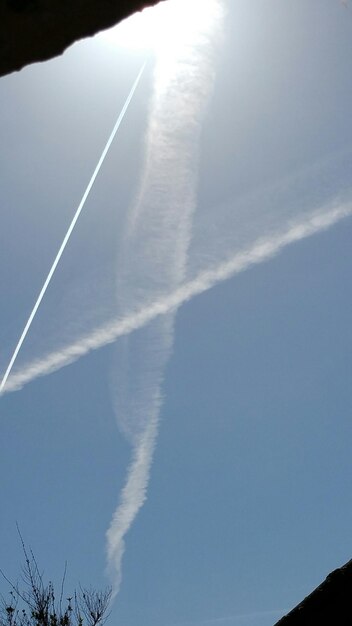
(248, 503)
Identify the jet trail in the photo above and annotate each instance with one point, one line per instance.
(154, 252)
(132, 498)
(260, 251)
(70, 230)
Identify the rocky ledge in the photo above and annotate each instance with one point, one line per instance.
(37, 30)
(330, 603)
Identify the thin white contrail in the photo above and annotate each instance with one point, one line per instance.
(262, 250)
(131, 499)
(70, 229)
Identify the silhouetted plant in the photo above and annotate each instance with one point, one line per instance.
(35, 603)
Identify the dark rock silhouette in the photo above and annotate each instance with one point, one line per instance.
(37, 30)
(330, 603)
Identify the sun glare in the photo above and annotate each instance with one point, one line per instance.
(162, 28)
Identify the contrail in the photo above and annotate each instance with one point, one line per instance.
(70, 229)
(154, 251)
(132, 499)
(262, 250)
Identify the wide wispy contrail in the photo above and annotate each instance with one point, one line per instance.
(260, 251)
(69, 231)
(154, 252)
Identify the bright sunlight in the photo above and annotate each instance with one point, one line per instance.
(161, 29)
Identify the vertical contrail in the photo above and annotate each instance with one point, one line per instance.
(155, 247)
(70, 229)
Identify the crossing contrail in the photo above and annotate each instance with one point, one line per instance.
(260, 251)
(70, 230)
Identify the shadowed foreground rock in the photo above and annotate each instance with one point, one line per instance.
(37, 30)
(330, 603)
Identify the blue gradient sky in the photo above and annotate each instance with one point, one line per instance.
(249, 501)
